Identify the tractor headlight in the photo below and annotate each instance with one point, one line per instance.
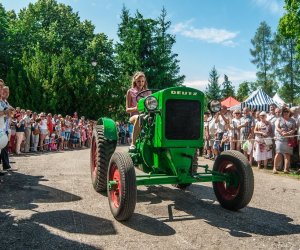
(151, 103)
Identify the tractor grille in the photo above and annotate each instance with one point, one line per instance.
(182, 120)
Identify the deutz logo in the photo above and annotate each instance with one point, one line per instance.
(179, 92)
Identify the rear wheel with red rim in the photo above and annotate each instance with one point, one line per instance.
(236, 192)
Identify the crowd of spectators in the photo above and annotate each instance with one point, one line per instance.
(264, 138)
(28, 131)
(32, 132)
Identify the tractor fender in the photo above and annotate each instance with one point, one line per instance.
(110, 129)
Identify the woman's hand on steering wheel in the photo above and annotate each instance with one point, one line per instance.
(139, 95)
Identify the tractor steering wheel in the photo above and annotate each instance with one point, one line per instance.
(140, 96)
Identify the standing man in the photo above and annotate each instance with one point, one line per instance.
(7, 111)
(247, 129)
(221, 119)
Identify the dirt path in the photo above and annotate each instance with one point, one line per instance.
(49, 203)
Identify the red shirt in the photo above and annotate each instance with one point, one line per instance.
(50, 127)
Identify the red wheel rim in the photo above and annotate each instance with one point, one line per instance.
(94, 157)
(115, 192)
(228, 190)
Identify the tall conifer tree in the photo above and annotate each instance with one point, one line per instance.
(213, 89)
(262, 58)
(227, 88)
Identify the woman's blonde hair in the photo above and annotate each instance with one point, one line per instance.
(137, 75)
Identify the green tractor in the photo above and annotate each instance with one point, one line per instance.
(172, 131)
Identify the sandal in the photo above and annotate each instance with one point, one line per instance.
(275, 172)
(132, 148)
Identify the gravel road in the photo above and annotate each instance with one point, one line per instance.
(49, 203)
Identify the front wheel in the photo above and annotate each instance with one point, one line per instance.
(236, 192)
(121, 189)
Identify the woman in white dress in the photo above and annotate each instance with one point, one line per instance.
(262, 130)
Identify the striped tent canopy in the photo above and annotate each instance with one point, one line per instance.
(258, 100)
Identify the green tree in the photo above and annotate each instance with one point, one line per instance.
(48, 55)
(289, 24)
(289, 34)
(243, 91)
(213, 89)
(53, 49)
(262, 58)
(227, 88)
(287, 68)
(167, 74)
(146, 45)
(4, 33)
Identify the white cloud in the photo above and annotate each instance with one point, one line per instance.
(197, 84)
(274, 6)
(235, 75)
(210, 35)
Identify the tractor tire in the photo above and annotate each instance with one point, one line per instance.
(101, 152)
(237, 193)
(122, 196)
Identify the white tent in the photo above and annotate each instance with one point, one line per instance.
(281, 102)
(277, 99)
(235, 107)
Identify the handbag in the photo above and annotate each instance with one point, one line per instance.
(292, 142)
(36, 131)
(268, 141)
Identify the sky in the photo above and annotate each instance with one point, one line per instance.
(208, 32)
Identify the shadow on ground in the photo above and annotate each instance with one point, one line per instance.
(199, 202)
(149, 225)
(75, 222)
(22, 192)
(27, 234)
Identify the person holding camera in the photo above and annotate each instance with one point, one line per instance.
(221, 120)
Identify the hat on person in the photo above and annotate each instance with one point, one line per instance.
(262, 113)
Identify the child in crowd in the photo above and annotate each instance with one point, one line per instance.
(53, 142)
(225, 142)
(77, 142)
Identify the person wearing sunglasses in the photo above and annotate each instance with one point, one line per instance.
(285, 128)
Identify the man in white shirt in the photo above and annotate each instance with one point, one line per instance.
(5, 115)
(221, 119)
